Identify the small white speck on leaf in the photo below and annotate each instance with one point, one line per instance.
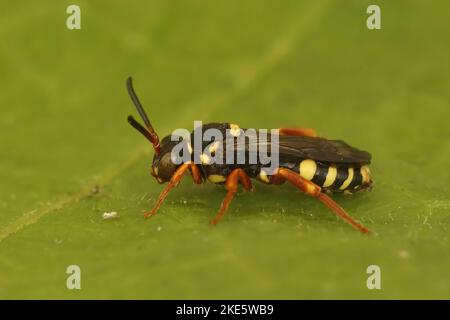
(403, 254)
(159, 228)
(110, 215)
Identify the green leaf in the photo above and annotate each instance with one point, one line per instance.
(68, 155)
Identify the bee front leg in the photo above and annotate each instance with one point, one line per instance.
(231, 184)
(174, 181)
(314, 190)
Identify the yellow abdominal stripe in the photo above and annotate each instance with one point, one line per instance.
(349, 179)
(308, 169)
(331, 176)
(365, 173)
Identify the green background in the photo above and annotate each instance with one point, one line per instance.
(261, 64)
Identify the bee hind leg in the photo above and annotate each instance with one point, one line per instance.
(314, 190)
(299, 132)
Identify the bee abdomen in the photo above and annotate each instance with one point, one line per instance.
(342, 178)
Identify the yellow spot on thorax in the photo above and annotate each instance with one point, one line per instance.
(213, 147)
(263, 176)
(235, 130)
(189, 148)
(204, 158)
(216, 178)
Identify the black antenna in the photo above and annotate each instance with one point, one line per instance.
(149, 133)
(139, 128)
(138, 104)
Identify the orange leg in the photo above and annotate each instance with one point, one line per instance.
(195, 173)
(174, 181)
(231, 184)
(301, 132)
(314, 190)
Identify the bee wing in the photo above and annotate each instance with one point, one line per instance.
(321, 149)
(293, 147)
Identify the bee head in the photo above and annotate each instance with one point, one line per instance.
(165, 163)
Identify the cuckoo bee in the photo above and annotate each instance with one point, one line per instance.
(315, 165)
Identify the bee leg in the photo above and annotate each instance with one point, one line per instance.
(176, 178)
(300, 132)
(314, 190)
(231, 184)
(195, 173)
(174, 181)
